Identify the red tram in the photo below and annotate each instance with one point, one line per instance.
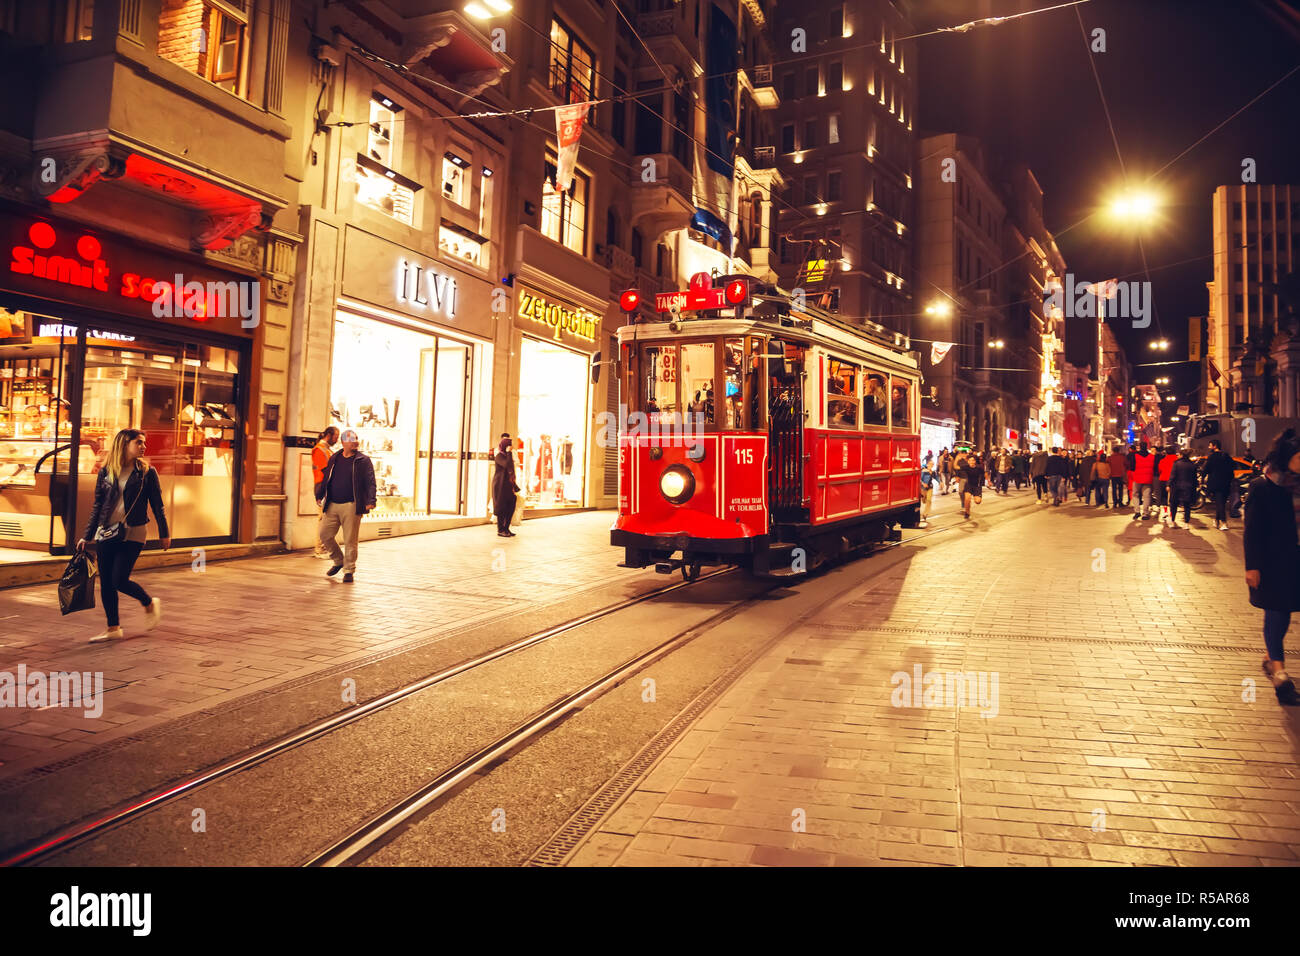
(755, 430)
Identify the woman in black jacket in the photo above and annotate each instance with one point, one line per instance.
(125, 490)
(504, 487)
(1273, 556)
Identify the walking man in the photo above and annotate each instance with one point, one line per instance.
(1182, 488)
(1058, 473)
(1218, 479)
(345, 493)
(1038, 471)
(1101, 478)
(1118, 477)
(1144, 469)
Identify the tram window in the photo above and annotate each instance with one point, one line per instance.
(734, 368)
(873, 400)
(900, 402)
(660, 371)
(697, 382)
(842, 394)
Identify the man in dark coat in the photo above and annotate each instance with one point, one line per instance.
(345, 493)
(1218, 470)
(1182, 488)
(504, 487)
(1272, 556)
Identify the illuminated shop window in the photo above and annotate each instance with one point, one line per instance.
(384, 190)
(207, 37)
(455, 179)
(461, 245)
(79, 21)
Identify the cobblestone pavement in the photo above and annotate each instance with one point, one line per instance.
(242, 626)
(1121, 723)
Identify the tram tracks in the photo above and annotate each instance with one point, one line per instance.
(379, 828)
(81, 832)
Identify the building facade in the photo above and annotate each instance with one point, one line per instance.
(847, 151)
(146, 188)
(398, 320)
(1253, 347)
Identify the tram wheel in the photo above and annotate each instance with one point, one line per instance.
(690, 572)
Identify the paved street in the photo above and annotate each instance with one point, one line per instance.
(251, 625)
(1125, 726)
(1112, 715)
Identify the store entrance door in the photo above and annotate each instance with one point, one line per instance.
(447, 492)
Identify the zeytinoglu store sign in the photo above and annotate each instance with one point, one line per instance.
(577, 322)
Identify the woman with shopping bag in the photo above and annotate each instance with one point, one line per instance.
(504, 487)
(126, 489)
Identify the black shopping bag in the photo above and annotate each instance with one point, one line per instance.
(77, 586)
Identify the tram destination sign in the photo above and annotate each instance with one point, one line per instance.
(704, 295)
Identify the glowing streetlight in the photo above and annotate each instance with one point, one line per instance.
(997, 344)
(940, 308)
(1136, 206)
(1160, 344)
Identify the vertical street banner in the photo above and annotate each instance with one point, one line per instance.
(568, 130)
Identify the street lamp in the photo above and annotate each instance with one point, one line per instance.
(997, 344)
(1160, 344)
(1137, 206)
(939, 308)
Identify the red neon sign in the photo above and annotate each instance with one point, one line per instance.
(90, 272)
(703, 296)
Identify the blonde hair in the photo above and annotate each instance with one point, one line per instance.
(116, 461)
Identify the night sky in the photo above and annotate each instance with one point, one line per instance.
(1173, 70)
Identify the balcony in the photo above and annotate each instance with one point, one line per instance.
(667, 201)
(669, 36)
(621, 266)
(761, 88)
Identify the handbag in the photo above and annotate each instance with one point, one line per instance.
(517, 518)
(77, 586)
(117, 530)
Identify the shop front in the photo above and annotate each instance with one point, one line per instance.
(409, 368)
(98, 334)
(937, 434)
(556, 339)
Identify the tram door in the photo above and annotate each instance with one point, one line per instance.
(785, 437)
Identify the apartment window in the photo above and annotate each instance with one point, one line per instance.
(618, 109)
(1238, 304)
(787, 87)
(835, 78)
(681, 124)
(810, 190)
(812, 81)
(787, 138)
(564, 214)
(79, 21)
(638, 248)
(835, 23)
(809, 134)
(455, 179)
(573, 70)
(833, 129)
(833, 186)
(1236, 211)
(649, 127)
(381, 138)
(207, 37)
(663, 261)
(833, 300)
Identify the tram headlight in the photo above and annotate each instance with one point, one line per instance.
(677, 484)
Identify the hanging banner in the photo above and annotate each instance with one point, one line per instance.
(938, 350)
(568, 130)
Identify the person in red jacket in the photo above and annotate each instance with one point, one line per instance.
(1144, 467)
(1118, 477)
(1165, 459)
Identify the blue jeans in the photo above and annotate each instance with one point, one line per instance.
(1275, 628)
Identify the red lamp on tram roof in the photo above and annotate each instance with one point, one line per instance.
(629, 300)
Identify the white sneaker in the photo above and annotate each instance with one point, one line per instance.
(112, 634)
(1222, 526)
(152, 614)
